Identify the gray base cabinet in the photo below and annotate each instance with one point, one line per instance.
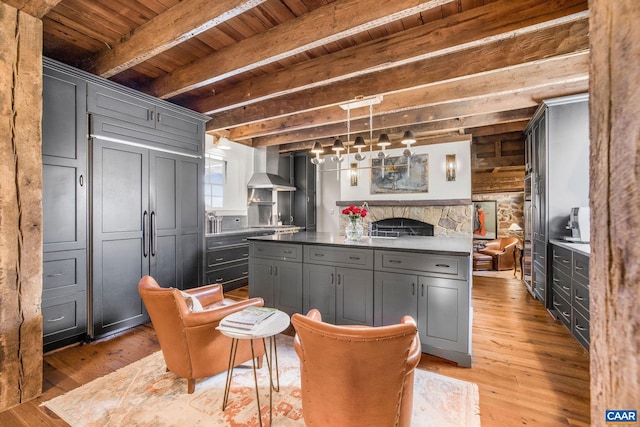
(275, 274)
(570, 291)
(434, 290)
(331, 284)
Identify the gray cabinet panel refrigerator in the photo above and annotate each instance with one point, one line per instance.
(135, 206)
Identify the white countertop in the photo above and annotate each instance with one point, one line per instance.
(583, 248)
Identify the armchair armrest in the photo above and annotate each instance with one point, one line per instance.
(415, 353)
(214, 315)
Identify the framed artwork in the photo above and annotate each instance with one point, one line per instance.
(485, 220)
(400, 174)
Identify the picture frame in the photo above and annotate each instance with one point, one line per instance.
(485, 220)
(400, 174)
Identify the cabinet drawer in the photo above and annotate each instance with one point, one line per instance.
(561, 259)
(561, 283)
(281, 251)
(63, 273)
(562, 310)
(580, 296)
(540, 253)
(448, 266)
(118, 105)
(581, 268)
(64, 317)
(342, 257)
(231, 273)
(215, 242)
(580, 329)
(179, 124)
(224, 256)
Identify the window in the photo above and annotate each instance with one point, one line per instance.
(215, 175)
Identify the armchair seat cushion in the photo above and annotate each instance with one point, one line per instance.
(502, 250)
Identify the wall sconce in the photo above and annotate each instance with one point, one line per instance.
(353, 173)
(451, 167)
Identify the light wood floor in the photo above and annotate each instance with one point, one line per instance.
(529, 369)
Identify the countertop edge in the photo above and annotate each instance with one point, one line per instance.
(582, 248)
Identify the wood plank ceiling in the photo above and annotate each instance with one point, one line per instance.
(273, 72)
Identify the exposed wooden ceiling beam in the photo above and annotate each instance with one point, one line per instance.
(400, 109)
(37, 8)
(498, 20)
(183, 21)
(329, 23)
(565, 39)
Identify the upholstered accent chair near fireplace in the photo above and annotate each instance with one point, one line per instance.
(356, 375)
(191, 345)
(502, 251)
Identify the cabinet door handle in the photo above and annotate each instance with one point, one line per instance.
(565, 314)
(245, 273)
(579, 268)
(413, 289)
(332, 279)
(144, 234)
(579, 298)
(566, 288)
(565, 261)
(158, 117)
(54, 275)
(270, 270)
(555, 280)
(245, 255)
(580, 328)
(56, 319)
(288, 252)
(422, 290)
(339, 279)
(154, 234)
(355, 258)
(151, 115)
(220, 279)
(318, 255)
(555, 304)
(395, 261)
(275, 270)
(219, 259)
(81, 180)
(443, 265)
(245, 239)
(260, 249)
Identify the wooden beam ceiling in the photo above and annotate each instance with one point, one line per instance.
(273, 72)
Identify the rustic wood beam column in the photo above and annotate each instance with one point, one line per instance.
(20, 206)
(615, 206)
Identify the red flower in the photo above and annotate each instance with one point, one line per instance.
(354, 212)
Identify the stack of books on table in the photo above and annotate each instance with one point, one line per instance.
(247, 320)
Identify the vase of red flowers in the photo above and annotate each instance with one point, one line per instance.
(354, 230)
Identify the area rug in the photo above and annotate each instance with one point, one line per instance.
(144, 394)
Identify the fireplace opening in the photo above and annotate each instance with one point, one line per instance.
(396, 227)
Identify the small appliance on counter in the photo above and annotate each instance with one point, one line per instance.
(214, 223)
(579, 225)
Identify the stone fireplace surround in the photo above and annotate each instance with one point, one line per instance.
(450, 218)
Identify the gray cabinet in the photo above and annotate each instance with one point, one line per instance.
(304, 204)
(435, 291)
(333, 285)
(64, 205)
(146, 220)
(570, 291)
(275, 274)
(557, 163)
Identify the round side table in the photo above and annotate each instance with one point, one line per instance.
(268, 328)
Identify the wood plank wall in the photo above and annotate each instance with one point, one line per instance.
(20, 206)
(615, 206)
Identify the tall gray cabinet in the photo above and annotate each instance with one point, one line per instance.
(132, 196)
(557, 162)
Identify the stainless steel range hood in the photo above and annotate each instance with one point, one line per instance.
(266, 176)
(269, 181)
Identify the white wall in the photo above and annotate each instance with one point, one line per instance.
(239, 169)
(334, 186)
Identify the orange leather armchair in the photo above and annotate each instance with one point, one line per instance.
(355, 375)
(191, 345)
(502, 252)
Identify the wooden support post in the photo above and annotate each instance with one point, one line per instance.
(615, 206)
(20, 206)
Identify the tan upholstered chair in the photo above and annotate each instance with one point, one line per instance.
(191, 345)
(356, 376)
(502, 252)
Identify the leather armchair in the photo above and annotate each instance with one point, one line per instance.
(355, 375)
(502, 252)
(191, 345)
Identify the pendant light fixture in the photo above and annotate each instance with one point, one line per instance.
(317, 150)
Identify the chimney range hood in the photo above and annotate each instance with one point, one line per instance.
(266, 159)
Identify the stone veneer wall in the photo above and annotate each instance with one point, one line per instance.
(447, 221)
(510, 210)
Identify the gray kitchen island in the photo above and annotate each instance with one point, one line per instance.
(372, 282)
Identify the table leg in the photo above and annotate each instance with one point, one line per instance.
(232, 362)
(255, 378)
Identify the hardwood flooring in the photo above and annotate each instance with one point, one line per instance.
(529, 369)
